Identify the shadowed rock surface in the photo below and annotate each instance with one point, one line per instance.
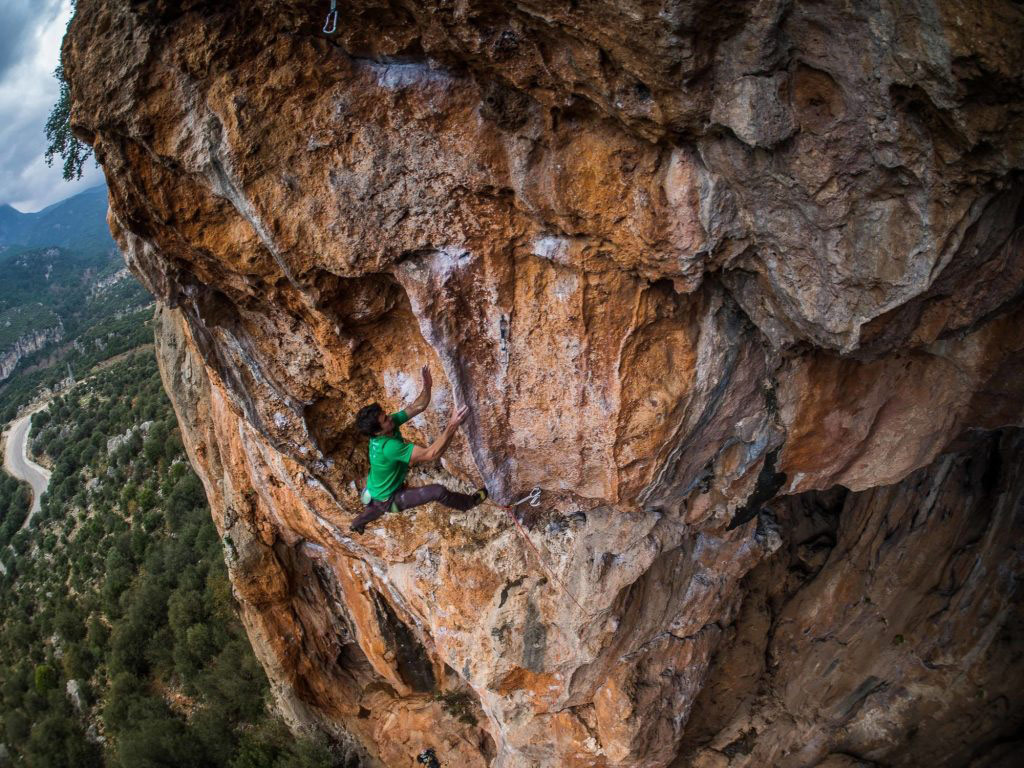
(737, 284)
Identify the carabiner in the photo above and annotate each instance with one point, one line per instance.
(533, 497)
(331, 22)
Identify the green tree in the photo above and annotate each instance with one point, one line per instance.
(68, 622)
(97, 635)
(157, 743)
(16, 726)
(61, 141)
(57, 741)
(45, 678)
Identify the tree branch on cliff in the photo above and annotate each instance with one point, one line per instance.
(61, 141)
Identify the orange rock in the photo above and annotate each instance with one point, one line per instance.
(688, 265)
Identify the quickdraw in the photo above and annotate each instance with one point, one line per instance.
(533, 497)
(331, 22)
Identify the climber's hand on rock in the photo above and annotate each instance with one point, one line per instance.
(458, 416)
(427, 381)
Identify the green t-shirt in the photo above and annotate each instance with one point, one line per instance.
(389, 460)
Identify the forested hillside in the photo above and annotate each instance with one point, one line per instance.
(119, 642)
(98, 307)
(15, 499)
(65, 295)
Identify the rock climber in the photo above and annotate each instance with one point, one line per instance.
(391, 456)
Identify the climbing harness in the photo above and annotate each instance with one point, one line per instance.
(331, 22)
(533, 497)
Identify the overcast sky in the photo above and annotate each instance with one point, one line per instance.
(30, 35)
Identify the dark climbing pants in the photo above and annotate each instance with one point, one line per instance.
(407, 498)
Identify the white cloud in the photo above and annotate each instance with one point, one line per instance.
(31, 41)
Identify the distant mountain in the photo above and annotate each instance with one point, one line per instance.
(12, 223)
(79, 222)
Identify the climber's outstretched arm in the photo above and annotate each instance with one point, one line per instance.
(419, 405)
(439, 446)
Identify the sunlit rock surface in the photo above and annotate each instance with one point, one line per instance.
(686, 262)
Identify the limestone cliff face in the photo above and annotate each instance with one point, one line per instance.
(26, 345)
(686, 262)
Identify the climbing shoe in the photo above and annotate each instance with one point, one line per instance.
(480, 496)
(359, 524)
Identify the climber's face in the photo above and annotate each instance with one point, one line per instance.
(387, 426)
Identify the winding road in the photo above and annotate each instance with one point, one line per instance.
(19, 465)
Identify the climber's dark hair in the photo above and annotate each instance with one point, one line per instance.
(368, 419)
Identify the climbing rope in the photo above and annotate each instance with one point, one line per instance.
(533, 497)
(331, 22)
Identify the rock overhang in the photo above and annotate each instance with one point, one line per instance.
(643, 246)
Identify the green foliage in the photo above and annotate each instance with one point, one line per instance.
(22, 321)
(46, 678)
(56, 278)
(459, 705)
(95, 329)
(16, 726)
(61, 142)
(15, 501)
(125, 574)
(157, 742)
(58, 741)
(271, 746)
